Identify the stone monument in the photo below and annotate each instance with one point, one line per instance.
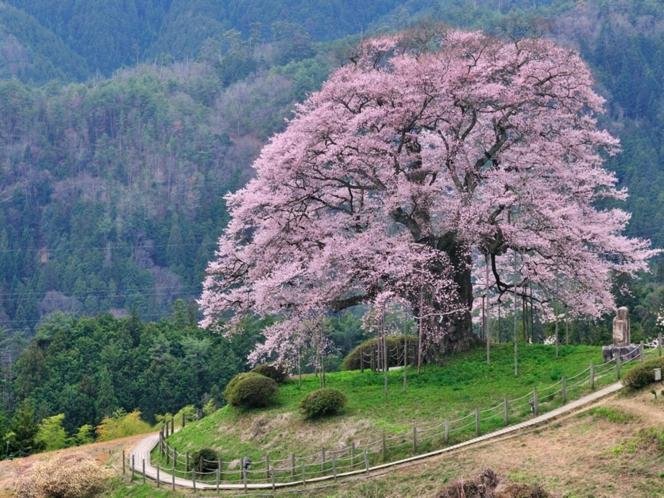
(621, 333)
(622, 345)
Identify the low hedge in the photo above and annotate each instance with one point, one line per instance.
(642, 375)
(322, 403)
(274, 371)
(251, 390)
(204, 460)
(365, 355)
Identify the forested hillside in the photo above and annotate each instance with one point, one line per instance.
(123, 123)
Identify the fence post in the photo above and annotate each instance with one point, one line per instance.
(175, 458)
(133, 466)
(446, 431)
(322, 460)
(157, 475)
(352, 454)
(304, 476)
(618, 362)
(292, 465)
(173, 481)
(535, 403)
(659, 344)
(384, 447)
(143, 469)
(184, 420)
(506, 411)
(334, 467)
(220, 466)
(218, 476)
(267, 466)
(592, 376)
(123, 462)
(244, 472)
(366, 461)
(641, 352)
(414, 439)
(193, 478)
(564, 390)
(477, 422)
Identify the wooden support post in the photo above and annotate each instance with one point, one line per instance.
(642, 355)
(414, 439)
(384, 447)
(366, 461)
(124, 462)
(446, 431)
(267, 466)
(477, 422)
(193, 478)
(133, 467)
(535, 402)
(322, 460)
(352, 454)
(175, 458)
(618, 365)
(220, 466)
(592, 376)
(218, 477)
(158, 475)
(564, 390)
(506, 411)
(143, 469)
(292, 467)
(334, 467)
(173, 481)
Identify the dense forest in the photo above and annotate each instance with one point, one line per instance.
(123, 123)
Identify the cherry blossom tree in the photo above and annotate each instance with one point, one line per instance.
(413, 163)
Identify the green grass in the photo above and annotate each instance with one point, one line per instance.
(610, 414)
(438, 392)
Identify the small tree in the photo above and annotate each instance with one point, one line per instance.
(51, 434)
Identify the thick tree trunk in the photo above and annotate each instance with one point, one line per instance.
(458, 328)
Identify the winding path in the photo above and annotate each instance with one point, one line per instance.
(141, 452)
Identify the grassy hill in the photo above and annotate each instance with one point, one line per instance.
(464, 383)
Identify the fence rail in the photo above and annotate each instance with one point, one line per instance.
(361, 456)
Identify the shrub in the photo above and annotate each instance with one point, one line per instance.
(323, 402)
(274, 371)
(642, 375)
(66, 476)
(251, 390)
(121, 424)
(204, 460)
(488, 485)
(365, 354)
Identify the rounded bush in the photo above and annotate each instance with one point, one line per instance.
(204, 460)
(643, 375)
(366, 354)
(274, 371)
(251, 390)
(322, 403)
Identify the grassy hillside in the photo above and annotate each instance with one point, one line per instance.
(438, 392)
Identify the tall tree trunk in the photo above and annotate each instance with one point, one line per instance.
(458, 328)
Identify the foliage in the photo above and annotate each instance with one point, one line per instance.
(323, 402)
(275, 371)
(51, 434)
(66, 476)
(251, 390)
(84, 435)
(121, 424)
(611, 414)
(642, 375)
(365, 354)
(204, 460)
